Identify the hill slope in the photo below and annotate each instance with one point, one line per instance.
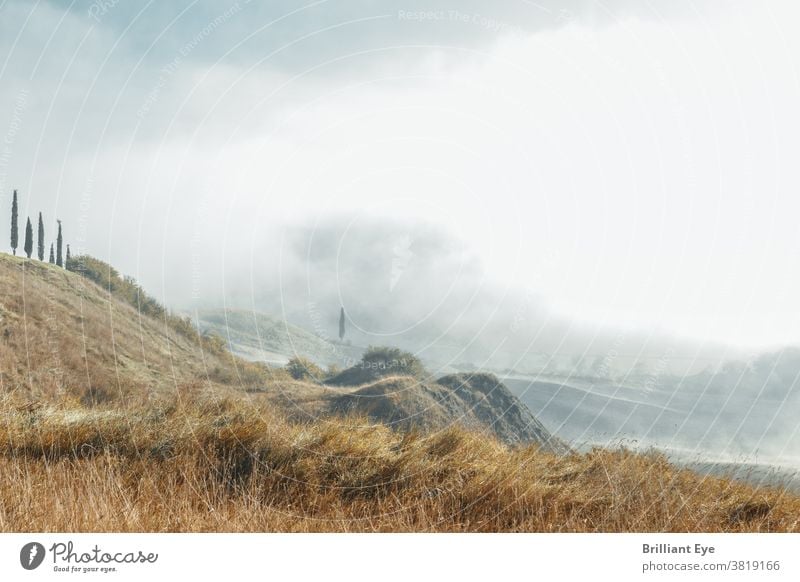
(225, 465)
(479, 402)
(62, 335)
(260, 337)
(151, 459)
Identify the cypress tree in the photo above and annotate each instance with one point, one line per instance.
(52, 255)
(59, 244)
(40, 239)
(28, 239)
(68, 257)
(14, 229)
(341, 324)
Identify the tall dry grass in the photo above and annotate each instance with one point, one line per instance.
(62, 336)
(91, 441)
(198, 463)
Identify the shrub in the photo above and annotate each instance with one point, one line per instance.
(301, 368)
(391, 361)
(380, 362)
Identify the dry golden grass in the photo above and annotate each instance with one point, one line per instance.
(64, 337)
(115, 421)
(199, 463)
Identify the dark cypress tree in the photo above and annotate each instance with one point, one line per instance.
(28, 239)
(67, 258)
(14, 229)
(341, 324)
(59, 244)
(40, 239)
(52, 255)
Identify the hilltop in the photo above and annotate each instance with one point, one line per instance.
(394, 388)
(479, 402)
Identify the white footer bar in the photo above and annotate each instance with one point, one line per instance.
(389, 557)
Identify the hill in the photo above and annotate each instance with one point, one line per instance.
(259, 337)
(377, 363)
(225, 464)
(144, 424)
(392, 387)
(63, 335)
(479, 402)
(92, 335)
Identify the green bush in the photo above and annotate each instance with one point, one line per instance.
(390, 361)
(301, 368)
(380, 362)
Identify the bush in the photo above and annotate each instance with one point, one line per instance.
(391, 361)
(380, 362)
(301, 368)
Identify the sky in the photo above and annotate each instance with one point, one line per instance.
(617, 164)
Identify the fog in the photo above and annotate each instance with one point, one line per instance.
(743, 414)
(483, 185)
(412, 285)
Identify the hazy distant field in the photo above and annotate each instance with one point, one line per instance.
(743, 432)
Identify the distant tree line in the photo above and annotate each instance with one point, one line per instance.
(56, 250)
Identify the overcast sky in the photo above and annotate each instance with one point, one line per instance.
(628, 163)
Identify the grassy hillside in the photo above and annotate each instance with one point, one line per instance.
(143, 425)
(90, 335)
(221, 464)
(479, 402)
(63, 336)
(392, 387)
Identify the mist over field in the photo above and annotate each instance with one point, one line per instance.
(595, 201)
